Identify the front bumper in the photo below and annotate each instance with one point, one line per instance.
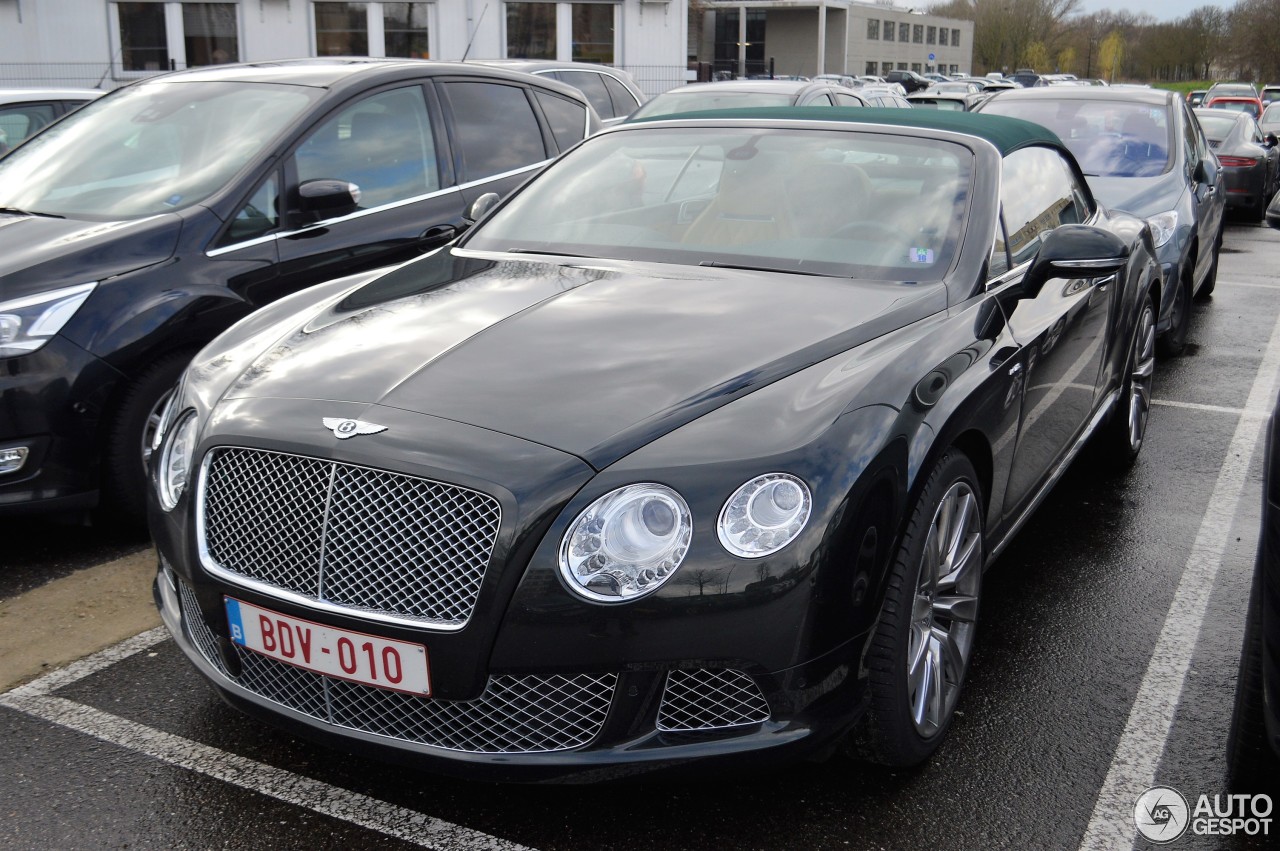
(51, 402)
(548, 727)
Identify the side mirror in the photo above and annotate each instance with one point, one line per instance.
(328, 196)
(1075, 251)
(482, 205)
(1272, 140)
(1200, 174)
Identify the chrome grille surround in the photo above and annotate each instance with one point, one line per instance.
(516, 714)
(709, 699)
(345, 538)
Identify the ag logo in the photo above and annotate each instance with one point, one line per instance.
(343, 429)
(1161, 814)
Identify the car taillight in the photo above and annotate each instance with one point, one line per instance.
(1237, 162)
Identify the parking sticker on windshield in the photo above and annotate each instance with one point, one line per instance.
(920, 255)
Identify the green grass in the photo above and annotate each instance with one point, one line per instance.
(1184, 88)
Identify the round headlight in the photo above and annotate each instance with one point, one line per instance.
(764, 515)
(175, 460)
(626, 544)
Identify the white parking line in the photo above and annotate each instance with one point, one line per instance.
(36, 699)
(1213, 409)
(1141, 746)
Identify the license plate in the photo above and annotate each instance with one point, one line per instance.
(367, 659)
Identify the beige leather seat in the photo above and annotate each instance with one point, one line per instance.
(749, 207)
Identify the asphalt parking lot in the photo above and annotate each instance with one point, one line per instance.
(1105, 664)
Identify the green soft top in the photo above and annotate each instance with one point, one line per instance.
(1007, 134)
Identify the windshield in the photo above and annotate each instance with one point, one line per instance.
(674, 104)
(1216, 127)
(850, 204)
(1108, 138)
(148, 149)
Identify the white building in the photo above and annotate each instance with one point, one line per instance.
(110, 42)
(832, 36)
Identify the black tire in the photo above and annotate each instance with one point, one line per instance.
(1211, 279)
(124, 478)
(1120, 440)
(1171, 343)
(1249, 758)
(891, 733)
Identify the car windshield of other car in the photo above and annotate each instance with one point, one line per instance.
(1270, 120)
(1216, 127)
(674, 103)
(1108, 138)
(850, 204)
(1235, 106)
(149, 149)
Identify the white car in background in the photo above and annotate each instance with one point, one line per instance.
(23, 112)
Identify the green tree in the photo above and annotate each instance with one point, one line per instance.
(1037, 57)
(1067, 60)
(1111, 54)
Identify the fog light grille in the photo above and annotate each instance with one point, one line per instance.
(707, 699)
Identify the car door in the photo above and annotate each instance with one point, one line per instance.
(1207, 193)
(1061, 330)
(498, 140)
(389, 144)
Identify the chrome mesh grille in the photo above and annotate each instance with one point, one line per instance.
(534, 714)
(348, 536)
(706, 699)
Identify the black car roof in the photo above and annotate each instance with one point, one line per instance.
(329, 72)
(1006, 134)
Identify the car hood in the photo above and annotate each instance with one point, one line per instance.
(1141, 196)
(592, 360)
(39, 253)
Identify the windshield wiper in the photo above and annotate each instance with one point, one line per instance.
(550, 253)
(718, 265)
(15, 211)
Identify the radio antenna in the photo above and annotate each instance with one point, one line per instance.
(471, 40)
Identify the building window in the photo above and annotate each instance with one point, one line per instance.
(872, 69)
(955, 38)
(932, 36)
(917, 34)
(942, 36)
(209, 33)
(888, 30)
(873, 29)
(902, 66)
(915, 66)
(405, 31)
(904, 32)
(531, 30)
(342, 29)
(143, 44)
(593, 33)
(955, 69)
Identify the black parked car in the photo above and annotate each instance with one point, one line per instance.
(138, 228)
(1254, 742)
(1250, 161)
(634, 476)
(909, 80)
(1143, 152)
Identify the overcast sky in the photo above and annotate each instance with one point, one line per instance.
(1163, 10)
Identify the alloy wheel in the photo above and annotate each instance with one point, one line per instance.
(1140, 378)
(944, 609)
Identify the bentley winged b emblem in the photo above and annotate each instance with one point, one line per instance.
(342, 429)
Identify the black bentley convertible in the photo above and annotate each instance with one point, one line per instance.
(694, 448)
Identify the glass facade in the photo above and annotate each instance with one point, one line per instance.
(593, 32)
(209, 33)
(143, 43)
(531, 30)
(342, 29)
(405, 30)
